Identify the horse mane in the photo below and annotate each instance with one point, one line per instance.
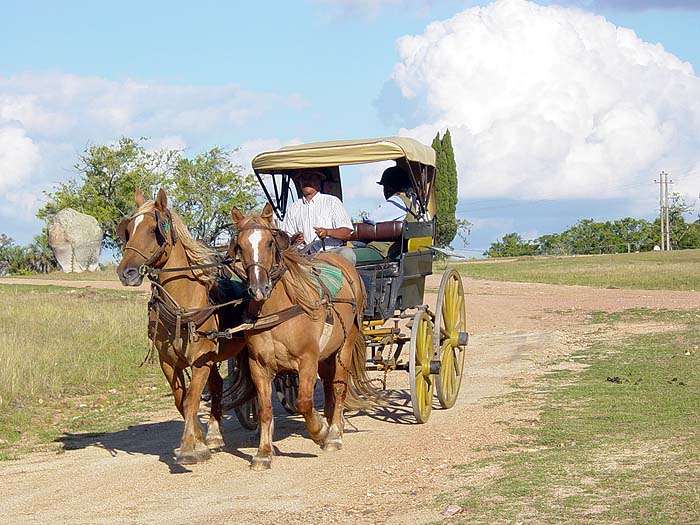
(300, 286)
(196, 252)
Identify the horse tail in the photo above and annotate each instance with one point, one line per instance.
(361, 394)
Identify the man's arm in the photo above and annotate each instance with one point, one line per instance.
(337, 233)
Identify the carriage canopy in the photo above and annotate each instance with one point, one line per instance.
(417, 160)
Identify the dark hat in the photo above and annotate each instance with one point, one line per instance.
(309, 171)
(395, 177)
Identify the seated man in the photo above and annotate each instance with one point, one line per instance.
(397, 207)
(320, 219)
(398, 204)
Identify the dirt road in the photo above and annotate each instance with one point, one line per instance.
(390, 470)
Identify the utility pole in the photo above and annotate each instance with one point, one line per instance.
(668, 220)
(662, 220)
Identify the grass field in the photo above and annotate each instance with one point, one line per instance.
(650, 270)
(108, 274)
(70, 362)
(616, 442)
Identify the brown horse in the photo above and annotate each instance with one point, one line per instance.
(296, 326)
(181, 313)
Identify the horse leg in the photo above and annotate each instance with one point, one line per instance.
(263, 384)
(176, 380)
(215, 438)
(315, 424)
(326, 369)
(339, 387)
(192, 447)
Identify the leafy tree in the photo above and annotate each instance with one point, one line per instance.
(205, 189)
(108, 176)
(446, 188)
(512, 245)
(682, 233)
(35, 258)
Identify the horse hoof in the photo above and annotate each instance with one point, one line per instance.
(215, 443)
(190, 457)
(332, 445)
(322, 436)
(261, 463)
(185, 458)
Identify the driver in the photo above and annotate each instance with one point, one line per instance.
(320, 219)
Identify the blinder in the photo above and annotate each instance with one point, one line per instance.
(165, 227)
(123, 229)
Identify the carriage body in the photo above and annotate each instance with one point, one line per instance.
(395, 286)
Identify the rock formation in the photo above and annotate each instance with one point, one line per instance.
(75, 239)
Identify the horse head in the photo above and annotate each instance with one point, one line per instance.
(148, 236)
(259, 245)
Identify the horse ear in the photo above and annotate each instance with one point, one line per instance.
(138, 198)
(162, 200)
(282, 240)
(267, 212)
(236, 215)
(296, 238)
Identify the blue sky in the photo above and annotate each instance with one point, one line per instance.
(557, 112)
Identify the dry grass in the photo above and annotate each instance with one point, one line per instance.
(61, 345)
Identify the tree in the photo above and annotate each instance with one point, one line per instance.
(35, 258)
(205, 189)
(682, 233)
(108, 176)
(512, 245)
(446, 188)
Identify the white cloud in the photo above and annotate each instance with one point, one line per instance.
(19, 157)
(551, 102)
(47, 119)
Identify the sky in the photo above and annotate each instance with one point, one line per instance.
(558, 111)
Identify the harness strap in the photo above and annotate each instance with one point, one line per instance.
(259, 323)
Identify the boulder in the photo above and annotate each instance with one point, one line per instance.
(76, 240)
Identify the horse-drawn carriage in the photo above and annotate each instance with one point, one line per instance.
(395, 286)
(292, 323)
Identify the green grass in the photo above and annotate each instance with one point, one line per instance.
(69, 362)
(616, 442)
(649, 270)
(108, 274)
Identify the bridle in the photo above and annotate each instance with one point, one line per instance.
(167, 236)
(274, 272)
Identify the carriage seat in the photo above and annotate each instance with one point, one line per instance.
(380, 231)
(384, 232)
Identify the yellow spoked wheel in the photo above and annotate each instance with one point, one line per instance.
(247, 414)
(421, 352)
(450, 338)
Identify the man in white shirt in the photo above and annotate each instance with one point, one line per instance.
(321, 219)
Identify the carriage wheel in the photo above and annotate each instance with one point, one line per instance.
(450, 338)
(287, 387)
(247, 414)
(422, 382)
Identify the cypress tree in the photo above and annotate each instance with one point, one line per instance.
(445, 189)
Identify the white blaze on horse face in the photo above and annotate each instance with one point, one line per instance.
(138, 220)
(255, 239)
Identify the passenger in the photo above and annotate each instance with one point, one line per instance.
(320, 219)
(398, 206)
